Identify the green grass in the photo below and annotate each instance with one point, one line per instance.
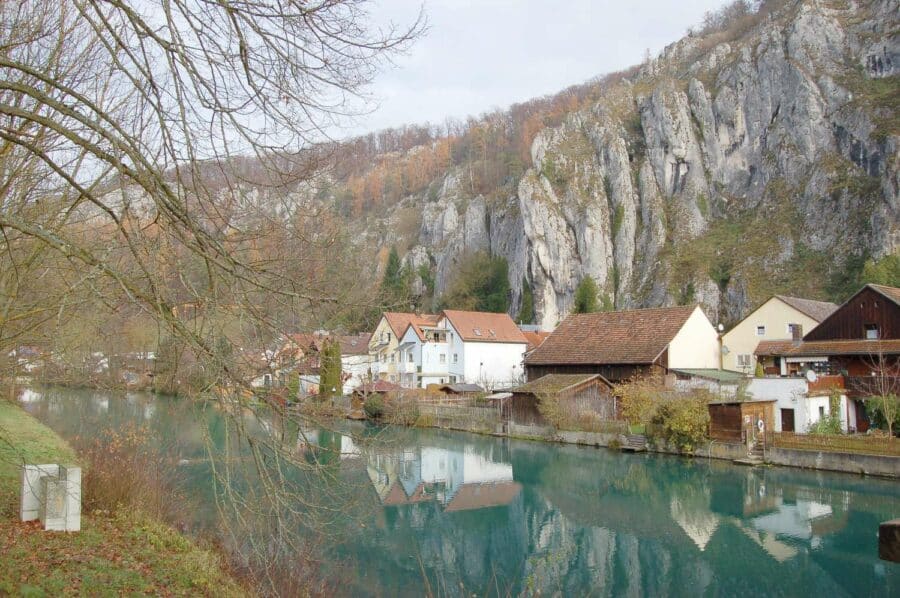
(114, 554)
(25, 440)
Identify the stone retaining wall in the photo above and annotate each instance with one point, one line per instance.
(877, 465)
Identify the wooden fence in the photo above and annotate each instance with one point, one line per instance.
(866, 445)
(467, 413)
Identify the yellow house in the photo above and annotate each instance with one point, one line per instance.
(383, 354)
(779, 318)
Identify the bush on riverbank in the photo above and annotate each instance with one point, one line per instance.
(127, 552)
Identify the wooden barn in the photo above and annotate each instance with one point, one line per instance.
(577, 393)
(625, 344)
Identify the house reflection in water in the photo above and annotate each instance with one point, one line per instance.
(457, 480)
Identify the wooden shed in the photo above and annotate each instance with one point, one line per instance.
(577, 393)
(728, 420)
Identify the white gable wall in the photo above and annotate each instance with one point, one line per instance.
(696, 345)
(493, 365)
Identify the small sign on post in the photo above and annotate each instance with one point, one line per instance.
(52, 493)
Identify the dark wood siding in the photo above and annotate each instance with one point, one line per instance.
(725, 422)
(848, 322)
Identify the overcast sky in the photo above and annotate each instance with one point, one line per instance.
(483, 54)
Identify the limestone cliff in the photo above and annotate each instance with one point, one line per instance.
(720, 172)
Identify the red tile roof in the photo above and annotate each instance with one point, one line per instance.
(535, 339)
(817, 310)
(484, 327)
(400, 321)
(636, 336)
(479, 496)
(354, 344)
(827, 348)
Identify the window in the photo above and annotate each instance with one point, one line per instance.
(871, 332)
(456, 358)
(409, 357)
(452, 379)
(760, 331)
(791, 328)
(821, 411)
(442, 358)
(392, 358)
(743, 360)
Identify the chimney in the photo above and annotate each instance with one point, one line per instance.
(796, 333)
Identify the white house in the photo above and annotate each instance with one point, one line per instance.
(422, 356)
(384, 354)
(799, 405)
(483, 348)
(461, 346)
(356, 364)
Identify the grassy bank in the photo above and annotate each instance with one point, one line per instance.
(121, 553)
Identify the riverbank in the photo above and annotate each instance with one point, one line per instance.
(120, 553)
(853, 463)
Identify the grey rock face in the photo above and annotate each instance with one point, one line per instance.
(779, 128)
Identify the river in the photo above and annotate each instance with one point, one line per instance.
(412, 511)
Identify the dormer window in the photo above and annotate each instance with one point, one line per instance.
(871, 331)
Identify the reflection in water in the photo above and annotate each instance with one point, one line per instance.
(487, 515)
(457, 479)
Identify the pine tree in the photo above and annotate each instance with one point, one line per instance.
(585, 296)
(330, 374)
(526, 311)
(395, 284)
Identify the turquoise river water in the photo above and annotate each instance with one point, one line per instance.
(391, 512)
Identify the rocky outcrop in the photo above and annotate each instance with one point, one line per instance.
(725, 169)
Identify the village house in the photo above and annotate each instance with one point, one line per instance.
(384, 358)
(621, 345)
(859, 342)
(779, 318)
(461, 347)
(483, 348)
(299, 355)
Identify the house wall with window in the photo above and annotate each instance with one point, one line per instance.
(871, 314)
(434, 363)
(382, 346)
(770, 321)
(490, 364)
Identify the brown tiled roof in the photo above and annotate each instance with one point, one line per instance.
(483, 326)
(891, 293)
(400, 321)
(817, 310)
(479, 496)
(623, 337)
(354, 344)
(827, 348)
(535, 339)
(556, 383)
